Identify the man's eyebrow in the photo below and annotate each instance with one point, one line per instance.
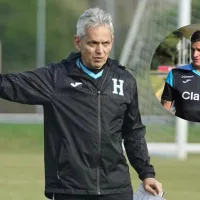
(198, 49)
(93, 41)
(97, 42)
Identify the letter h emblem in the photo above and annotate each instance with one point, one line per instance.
(118, 88)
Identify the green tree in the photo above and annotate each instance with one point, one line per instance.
(18, 36)
(18, 31)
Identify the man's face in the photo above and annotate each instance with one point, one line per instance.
(95, 46)
(195, 53)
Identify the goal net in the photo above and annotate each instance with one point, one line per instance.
(152, 22)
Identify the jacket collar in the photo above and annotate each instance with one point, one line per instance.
(74, 70)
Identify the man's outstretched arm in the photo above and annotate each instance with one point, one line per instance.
(32, 87)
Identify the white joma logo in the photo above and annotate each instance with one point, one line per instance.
(186, 80)
(184, 76)
(76, 84)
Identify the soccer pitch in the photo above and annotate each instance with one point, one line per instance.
(22, 167)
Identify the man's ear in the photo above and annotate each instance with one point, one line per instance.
(77, 42)
(112, 39)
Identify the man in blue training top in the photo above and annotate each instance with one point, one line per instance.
(182, 86)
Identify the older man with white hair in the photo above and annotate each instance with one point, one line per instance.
(90, 104)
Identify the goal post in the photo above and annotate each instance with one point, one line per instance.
(184, 19)
(0, 56)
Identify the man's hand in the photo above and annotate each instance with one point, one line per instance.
(153, 186)
(167, 104)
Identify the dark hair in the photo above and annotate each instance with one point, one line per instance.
(195, 36)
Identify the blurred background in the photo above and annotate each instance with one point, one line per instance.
(34, 33)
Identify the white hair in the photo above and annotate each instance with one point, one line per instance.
(93, 17)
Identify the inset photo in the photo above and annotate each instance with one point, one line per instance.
(175, 73)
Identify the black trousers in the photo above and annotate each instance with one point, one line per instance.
(121, 196)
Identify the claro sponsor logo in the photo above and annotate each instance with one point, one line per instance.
(190, 96)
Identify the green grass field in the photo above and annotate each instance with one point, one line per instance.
(157, 82)
(22, 168)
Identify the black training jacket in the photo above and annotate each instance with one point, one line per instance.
(84, 126)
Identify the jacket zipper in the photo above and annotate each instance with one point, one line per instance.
(99, 133)
(58, 176)
(99, 142)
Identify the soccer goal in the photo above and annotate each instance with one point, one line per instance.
(152, 22)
